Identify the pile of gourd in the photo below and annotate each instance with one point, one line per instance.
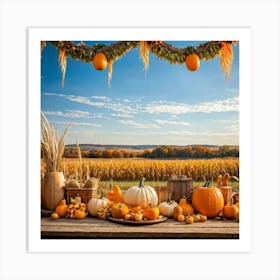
(140, 203)
(74, 210)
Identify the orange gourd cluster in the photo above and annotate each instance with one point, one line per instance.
(74, 210)
(207, 202)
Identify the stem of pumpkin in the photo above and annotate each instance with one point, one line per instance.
(141, 185)
(206, 185)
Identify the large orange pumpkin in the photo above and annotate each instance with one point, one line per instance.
(100, 61)
(192, 62)
(208, 201)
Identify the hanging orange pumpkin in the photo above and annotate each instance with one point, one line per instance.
(207, 200)
(100, 61)
(192, 62)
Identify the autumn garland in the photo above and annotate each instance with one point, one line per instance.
(161, 49)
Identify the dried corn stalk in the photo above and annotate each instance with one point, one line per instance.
(144, 53)
(226, 58)
(62, 64)
(110, 72)
(80, 163)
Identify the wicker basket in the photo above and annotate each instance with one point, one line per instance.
(85, 194)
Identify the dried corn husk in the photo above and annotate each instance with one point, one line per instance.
(110, 72)
(226, 58)
(62, 63)
(144, 53)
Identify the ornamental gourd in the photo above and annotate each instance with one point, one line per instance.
(178, 210)
(61, 208)
(187, 208)
(95, 203)
(166, 208)
(140, 195)
(151, 212)
(207, 200)
(115, 194)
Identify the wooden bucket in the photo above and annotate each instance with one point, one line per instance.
(179, 186)
(52, 190)
(163, 194)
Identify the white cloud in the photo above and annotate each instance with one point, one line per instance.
(172, 122)
(99, 97)
(78, 123)
(122, 115)
(117, 107)
(174, 108)
(137, 124)
(68, 114)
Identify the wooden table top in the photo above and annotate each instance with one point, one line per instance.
(91, 227)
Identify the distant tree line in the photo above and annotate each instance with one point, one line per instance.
(159, 152)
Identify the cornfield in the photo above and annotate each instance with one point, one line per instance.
(151, 169)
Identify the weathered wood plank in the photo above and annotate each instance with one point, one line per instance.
(96, 228)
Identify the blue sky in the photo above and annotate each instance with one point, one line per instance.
(167, 105)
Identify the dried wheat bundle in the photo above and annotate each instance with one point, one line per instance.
(80, 164)
(52, 148)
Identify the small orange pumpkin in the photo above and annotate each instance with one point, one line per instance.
(237, 204)
(230, 211)
(61, 208)
(178, 210)
(100, 61)
(119, 210)
(181, 218)
(151, 212)
(192, 62)
(54, 216)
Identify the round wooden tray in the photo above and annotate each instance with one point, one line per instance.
(136, 223)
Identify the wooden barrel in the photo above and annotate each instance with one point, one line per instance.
(180, 186)
(162, 193)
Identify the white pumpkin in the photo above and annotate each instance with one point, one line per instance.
(95, 203)
(140, 195)
(166, 208)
